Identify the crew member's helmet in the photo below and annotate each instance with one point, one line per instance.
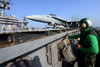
(86, 22)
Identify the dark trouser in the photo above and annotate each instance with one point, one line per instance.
(66, 64)
(86, 62)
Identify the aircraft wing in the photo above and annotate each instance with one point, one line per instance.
(58, 18)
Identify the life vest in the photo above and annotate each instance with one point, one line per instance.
(84, 35)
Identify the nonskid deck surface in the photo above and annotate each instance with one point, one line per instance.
(37, 39)
(8, 38)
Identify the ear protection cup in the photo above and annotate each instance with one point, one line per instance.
(84, 25)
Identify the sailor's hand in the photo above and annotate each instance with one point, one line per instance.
(78, 46)
(66, 37)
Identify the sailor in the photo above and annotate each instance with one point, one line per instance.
(88, 45)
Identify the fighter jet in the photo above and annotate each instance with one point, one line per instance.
(50, 19)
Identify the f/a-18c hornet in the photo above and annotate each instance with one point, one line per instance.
(53, 20)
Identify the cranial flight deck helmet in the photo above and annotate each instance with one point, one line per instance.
(85, 23)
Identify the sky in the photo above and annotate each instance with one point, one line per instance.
(66, 9)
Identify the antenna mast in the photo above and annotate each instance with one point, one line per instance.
(4, 6)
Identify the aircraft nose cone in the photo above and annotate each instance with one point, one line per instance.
(28, 17)
(34, 17)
